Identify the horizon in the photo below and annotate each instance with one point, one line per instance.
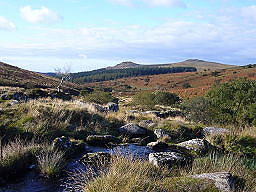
(87, 35)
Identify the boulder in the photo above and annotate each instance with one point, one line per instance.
(224, 181)
(13, 102)
(6, 96)
(132, 130)
(101, 140)
(154, 113)
(20, 96)
(158, 145)
(160, 133)
(141, 140)
(146, 123)
(214, 131)
(97, 158)
(113, 107)
(170, 159)
(170, 113)
(196, 146)
(62, 143)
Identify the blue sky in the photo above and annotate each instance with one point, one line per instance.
(42, 35)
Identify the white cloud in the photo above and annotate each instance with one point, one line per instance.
(173, 3)
(128, 3)
(154, 3)
(6, 24)
(249, 12)
(42, 15)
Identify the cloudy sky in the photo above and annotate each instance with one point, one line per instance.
(42, 35)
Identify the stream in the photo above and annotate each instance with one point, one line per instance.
(33, 182)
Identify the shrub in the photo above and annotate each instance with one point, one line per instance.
(229, 103)
(100, 97)
(186, 85)
(241, 145)
(234, 102)
(150, 99)
(86, 91)
(36, 93)
(198, 110)
(165, 98)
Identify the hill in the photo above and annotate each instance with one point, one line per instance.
(200, 65)
(186, 85)
(17, 77)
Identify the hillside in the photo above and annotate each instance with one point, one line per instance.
(186, 85)
(117, 73)
(17, 77)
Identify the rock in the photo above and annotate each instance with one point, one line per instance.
(146, 123)
(61, 95)
(133, 111)
(97, 158)
(224, 181)
(141, 141)
(170, 113)
(214, 131)
(158, 145)
(62, 143)
(154, 113)
(112, 107)
(20, 96)
(6, 96)
(133, 130)
(101, 140)
(170, 159)
(160, 133)
(13, 102)
(196, 146)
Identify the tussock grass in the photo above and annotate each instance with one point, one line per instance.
(16, 158)
(52, 118)
(51, 163)
(231, 163)
(126, 174)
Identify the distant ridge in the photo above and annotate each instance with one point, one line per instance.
(125, 65)
(200, 65)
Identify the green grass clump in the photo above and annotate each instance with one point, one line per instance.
(51, 163)
(130, 175)
(16, 157)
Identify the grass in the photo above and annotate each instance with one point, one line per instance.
(231, 163)
(17, 156)
(51, 163)
(52, 118)
(131, 175)
(126, 174)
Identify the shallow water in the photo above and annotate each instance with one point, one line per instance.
(32, 182)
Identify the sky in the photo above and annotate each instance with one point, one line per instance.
(42, 35)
